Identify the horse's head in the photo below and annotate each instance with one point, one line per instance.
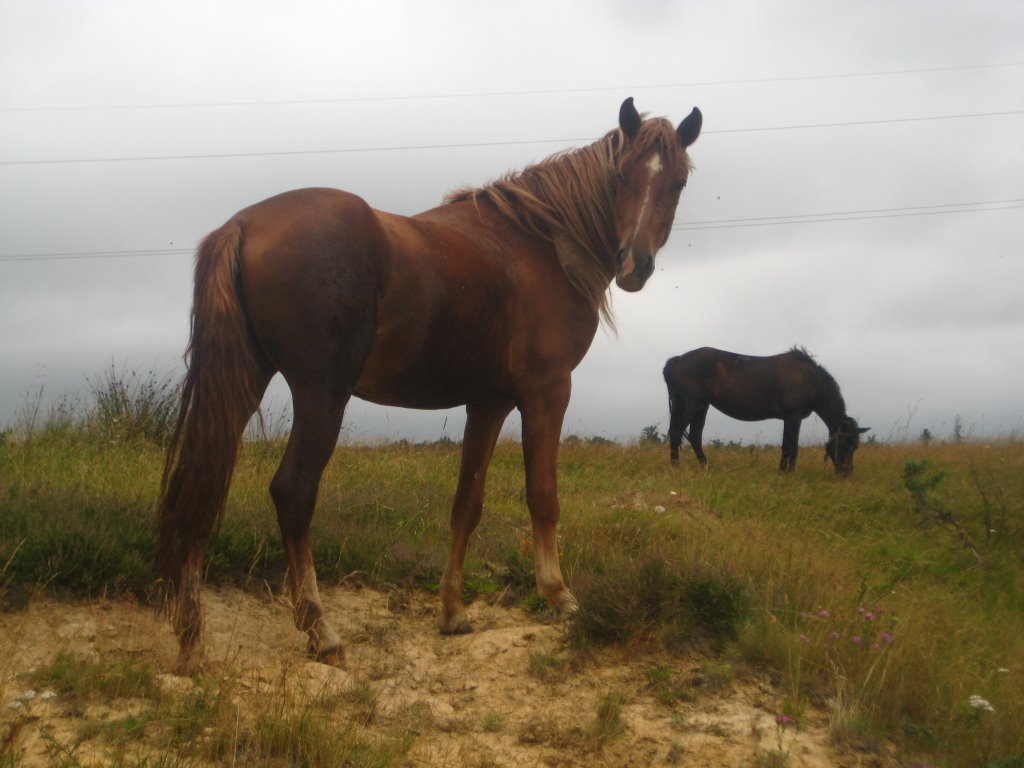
(653, 167)
(842, 443)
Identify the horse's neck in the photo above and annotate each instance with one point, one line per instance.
(831, 410)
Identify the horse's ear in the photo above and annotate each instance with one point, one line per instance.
(689, 129)
(629, 118)
(862, 430)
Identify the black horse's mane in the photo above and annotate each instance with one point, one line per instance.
(802, 353)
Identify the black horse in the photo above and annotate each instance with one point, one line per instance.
(788, 386)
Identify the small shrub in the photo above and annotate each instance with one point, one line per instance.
(656, 597)
(492, 722)
(113, 677)
(133, 406)
(649, 434)
(608, 723)
(546, 668)
(668, 690)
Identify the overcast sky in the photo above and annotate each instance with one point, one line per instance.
(859, 182)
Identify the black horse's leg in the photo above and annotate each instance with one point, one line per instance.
(678, 422)
(790, 443)
(318, 415)
(697, 431)
(483, 425)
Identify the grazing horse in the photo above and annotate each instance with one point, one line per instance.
(489, 300)
(788, 386)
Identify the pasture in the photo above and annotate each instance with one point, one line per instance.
(879, 618)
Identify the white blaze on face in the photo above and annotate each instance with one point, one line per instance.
(654, 167)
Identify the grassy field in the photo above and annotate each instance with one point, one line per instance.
(894, 599)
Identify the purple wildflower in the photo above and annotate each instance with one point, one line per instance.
(857, 640)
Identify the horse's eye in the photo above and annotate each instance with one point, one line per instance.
(679, 185)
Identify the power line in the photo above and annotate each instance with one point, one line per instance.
(806, 218)
(870, 213)
(869, 122)
(505, 94)
(292, 153)
(477, 144)
(108, 254)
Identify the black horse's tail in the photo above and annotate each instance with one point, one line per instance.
(676, 401)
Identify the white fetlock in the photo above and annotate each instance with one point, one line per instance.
(565, 606)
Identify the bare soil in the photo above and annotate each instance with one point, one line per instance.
(512, 693)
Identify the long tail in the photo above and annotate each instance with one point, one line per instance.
(675, 400)
(220, 392)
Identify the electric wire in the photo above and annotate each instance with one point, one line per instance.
(737, 223)
(507, 93)
(478, 144)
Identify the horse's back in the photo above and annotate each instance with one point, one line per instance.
(745, 387)
(430, 311)
(298, 219)
(695, 363)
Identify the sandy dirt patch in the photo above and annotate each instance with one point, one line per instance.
(512, 693)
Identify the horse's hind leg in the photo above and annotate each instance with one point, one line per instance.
(483, 425)
(186, 613)
(185, 608)
(318, 415)
(696, 433)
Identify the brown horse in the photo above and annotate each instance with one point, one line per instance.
(490, 300)
(788, 386)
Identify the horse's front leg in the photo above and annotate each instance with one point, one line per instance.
(294, 489)
(483, 425)
(790, 444)
(542, 427)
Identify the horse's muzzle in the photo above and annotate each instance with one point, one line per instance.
(632, 269)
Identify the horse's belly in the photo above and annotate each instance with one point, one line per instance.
(421, 395)
(436, 373)
(738, 412)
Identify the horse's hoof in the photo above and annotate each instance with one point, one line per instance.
(333, 656)
(190, 662)
(461, 627)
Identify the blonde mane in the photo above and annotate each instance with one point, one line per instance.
(569, 200)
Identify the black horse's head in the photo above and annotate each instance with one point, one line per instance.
(842, 444)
